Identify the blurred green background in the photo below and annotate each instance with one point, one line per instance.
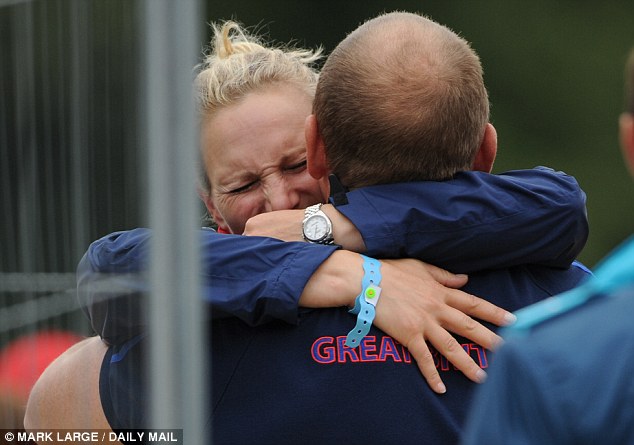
(72, 168)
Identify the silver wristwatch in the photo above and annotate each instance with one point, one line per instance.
(316, 226)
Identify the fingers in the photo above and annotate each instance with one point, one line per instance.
(419, 307)
(447, 345)
(478, 308)
(420, 352)
(461, 324)
(445, 277)
(467, 303)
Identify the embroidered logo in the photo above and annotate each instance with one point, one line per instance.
(328, 350)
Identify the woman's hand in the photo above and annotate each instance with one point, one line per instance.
(420, 303)
(287, 226)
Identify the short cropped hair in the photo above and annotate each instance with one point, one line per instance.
(402, 98)
(238, 63)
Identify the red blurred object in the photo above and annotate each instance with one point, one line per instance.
(23, 360)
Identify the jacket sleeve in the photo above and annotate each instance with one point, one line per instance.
(476, 220)
(253, 278)
(515, 404)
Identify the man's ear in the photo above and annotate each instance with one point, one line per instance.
(626, 129)
(213, 211)
(485, 157)
(315, 149)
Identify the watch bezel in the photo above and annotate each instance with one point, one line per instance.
(327, 234)
(312, 212)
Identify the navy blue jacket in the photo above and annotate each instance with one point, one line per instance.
(474, 222)
(300, 384)
(282, 383)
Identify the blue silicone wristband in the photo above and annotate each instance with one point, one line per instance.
(364, 304)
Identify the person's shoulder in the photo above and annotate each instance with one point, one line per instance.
(575, 314)
(614, 276)
(590, 341)
(67, 393)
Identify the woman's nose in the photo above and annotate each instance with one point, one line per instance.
(281, 195)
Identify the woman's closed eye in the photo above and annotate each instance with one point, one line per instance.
(296, 167)
(293, 168)
(244, 188)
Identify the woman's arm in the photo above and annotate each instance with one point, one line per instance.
(418, 305)
(255, 279)
(473, 222)
(476, 221)
(260, 279)
(524, 216)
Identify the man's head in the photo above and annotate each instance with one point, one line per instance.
(627, 118)
(400, 99)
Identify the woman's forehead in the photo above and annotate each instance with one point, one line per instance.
(263, 130)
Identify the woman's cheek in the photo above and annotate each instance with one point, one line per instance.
(240, 209)
(309, 187)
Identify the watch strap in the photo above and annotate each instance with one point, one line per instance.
(312, 210)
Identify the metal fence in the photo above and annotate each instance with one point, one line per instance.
(92, 93)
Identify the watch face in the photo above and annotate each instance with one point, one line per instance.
(316, 228)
